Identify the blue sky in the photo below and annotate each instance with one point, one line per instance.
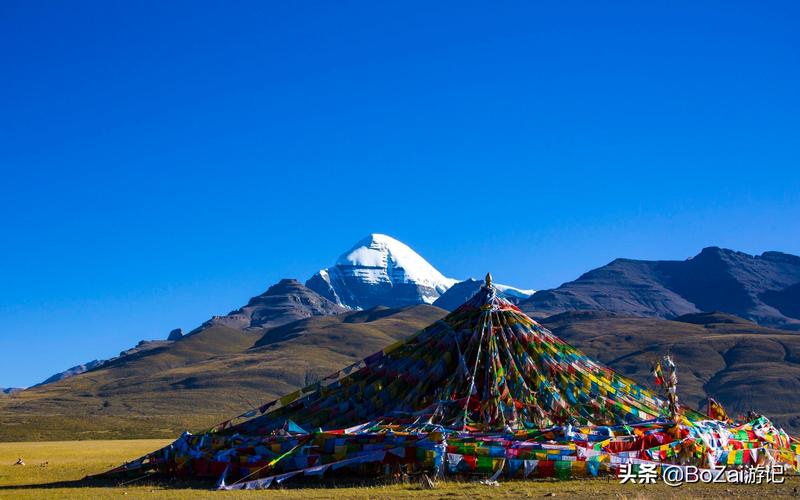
(165, 161)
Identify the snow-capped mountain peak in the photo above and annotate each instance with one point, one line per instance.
(379, 257)
(380, 270)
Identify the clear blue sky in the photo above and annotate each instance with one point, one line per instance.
(164, 161)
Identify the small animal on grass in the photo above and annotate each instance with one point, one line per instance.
(20, 461)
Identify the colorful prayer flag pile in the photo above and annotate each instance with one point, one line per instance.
(486, 390)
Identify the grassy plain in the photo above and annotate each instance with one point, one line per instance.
(54, 469)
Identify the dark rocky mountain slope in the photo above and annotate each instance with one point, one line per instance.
(762, 288)
(282, 303)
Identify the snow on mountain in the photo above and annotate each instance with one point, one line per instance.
(464, 290)
(514, 291)
(380, 270)
(379, 258)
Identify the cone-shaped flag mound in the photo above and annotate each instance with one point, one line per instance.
(484, 390)
(485, 366)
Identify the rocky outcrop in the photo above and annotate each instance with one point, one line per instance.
(175, 334)
(282, 303)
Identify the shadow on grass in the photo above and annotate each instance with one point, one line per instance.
(168, 483)
(163, 483)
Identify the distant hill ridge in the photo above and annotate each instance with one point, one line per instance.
(284, 302)
(763, 288)
(198, 380)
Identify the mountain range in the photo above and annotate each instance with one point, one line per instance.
(763, 288)
(377, 271)
(381, 291)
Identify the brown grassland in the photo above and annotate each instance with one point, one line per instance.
(54, 470)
